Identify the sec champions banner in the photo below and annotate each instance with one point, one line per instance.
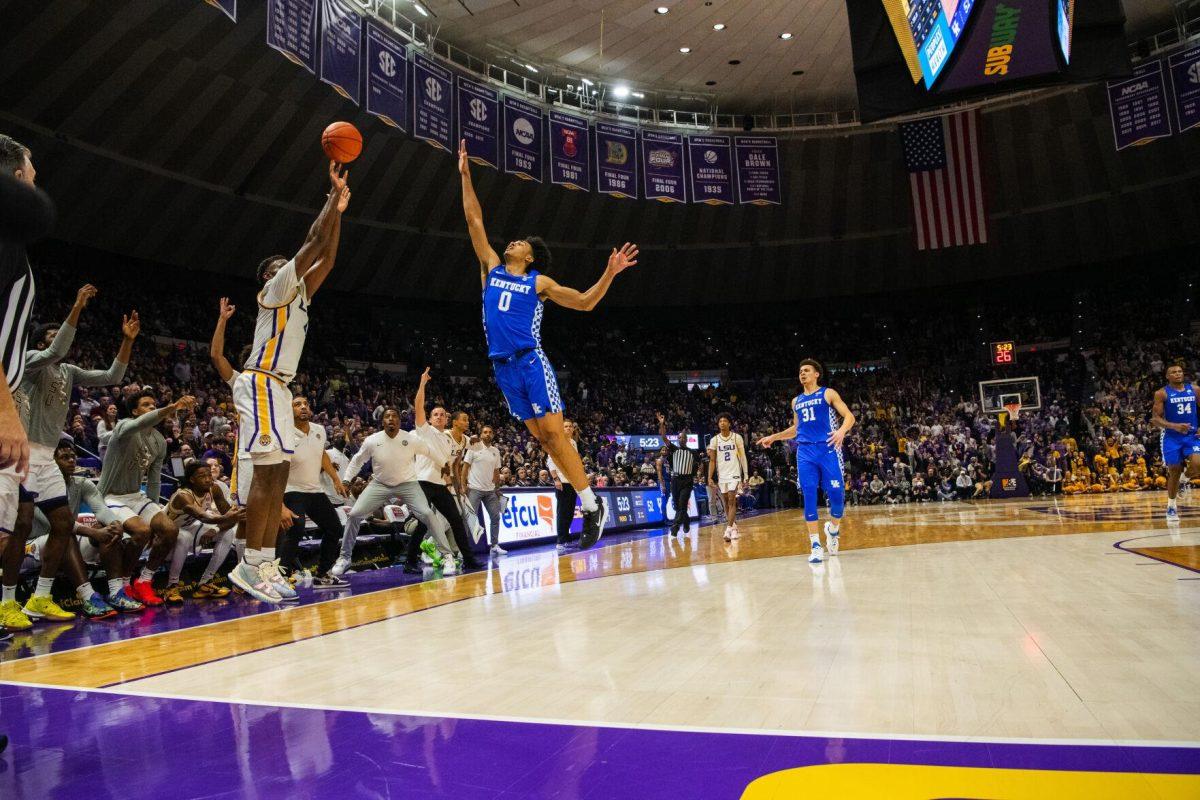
(478, 118)
(387, 76)
(433, 103)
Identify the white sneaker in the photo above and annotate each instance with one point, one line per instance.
(497, 550)
(339, 567)
(831, 538)
(815, 557)
(281, 585)
(733, 533)
(728, 534)
(249, 579)
(449, 566)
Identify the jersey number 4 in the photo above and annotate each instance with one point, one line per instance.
(807, 415)
(505, 301)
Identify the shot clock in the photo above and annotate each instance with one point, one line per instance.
(1004, 354)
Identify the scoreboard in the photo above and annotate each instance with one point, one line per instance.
(1003, 354)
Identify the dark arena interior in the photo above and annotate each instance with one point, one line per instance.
(823, 423)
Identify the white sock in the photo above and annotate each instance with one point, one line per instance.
(239, 547)
(268, 553)
(587, 499)
(85, 591)
(814, 539)
(1170, 503)
(115, 585)
(254, 557)
(10, 593)
(834, 525)
(43, 587)
(147, 575)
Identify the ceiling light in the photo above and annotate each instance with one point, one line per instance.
(531, 68)
(585, 82)
(720, 26)
(620, 92)
(420, 9)
(685, 49)
(639, 95)
(661, 10)
(785, 35)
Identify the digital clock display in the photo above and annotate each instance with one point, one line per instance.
(1004, 353)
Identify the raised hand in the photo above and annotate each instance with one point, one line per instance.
(425, 376)
(84, 295)
(343, 199)
(659, 416)
(338, 176)
(131, 326)
(185, 403)
(623, 259)
(464, 163)
(227, 308)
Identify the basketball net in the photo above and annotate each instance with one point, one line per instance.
(1013, 409)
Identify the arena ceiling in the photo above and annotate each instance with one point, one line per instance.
(643, 48)
(167, 133)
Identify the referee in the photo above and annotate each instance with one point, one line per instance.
(684, 463)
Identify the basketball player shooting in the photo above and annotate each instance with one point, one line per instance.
(261, 393)
(1175, 414)
(514, 292)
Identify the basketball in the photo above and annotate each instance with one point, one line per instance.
(342, 142)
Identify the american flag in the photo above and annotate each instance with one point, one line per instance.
(942, 156)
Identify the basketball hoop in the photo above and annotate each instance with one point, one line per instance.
(1013, 409)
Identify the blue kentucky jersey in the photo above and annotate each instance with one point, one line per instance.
(512, 312)
(815, 419)
(1180, 405)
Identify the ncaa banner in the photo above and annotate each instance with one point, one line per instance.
(387, 76)
(710, 167)
(1138, 106)
(228, 6)
(341, 48)
(433, 103)
(616, 160)
(478, 117)
(1185, 87)
(662, 167)
(522, 139)
(292, 30)
(569, 157)
(757, 170)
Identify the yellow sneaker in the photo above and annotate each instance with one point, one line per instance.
(45, 608)
(12, 617)
(172, 596)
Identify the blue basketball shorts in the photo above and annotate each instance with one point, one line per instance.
(1179, 447)
(529, 386)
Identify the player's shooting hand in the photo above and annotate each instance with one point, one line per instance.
(338, 176)
(84, 296)
(464, 163)
(131, 326)
(623, 259)
(835, 438)
(343, 199)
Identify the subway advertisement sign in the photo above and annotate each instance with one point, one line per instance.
(1007, 40)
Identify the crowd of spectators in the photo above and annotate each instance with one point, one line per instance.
(912, 382)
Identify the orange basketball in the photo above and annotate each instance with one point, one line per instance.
(341, 142)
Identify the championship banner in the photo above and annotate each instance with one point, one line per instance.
(478, 117)
(616, 160)
(662, 167)
(522, 139)
(569, 154)
(757, 170)
(710, 167)
(228, 6)
(387, 76)
(341, 48)
(292, 30)
(433, 103)
(1185, 87)
(1138, 106)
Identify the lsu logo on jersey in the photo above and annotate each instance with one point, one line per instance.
(265, 440)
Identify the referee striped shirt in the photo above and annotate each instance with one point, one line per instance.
(16, 306)
(683, 461)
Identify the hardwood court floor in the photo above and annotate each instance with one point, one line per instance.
(960, 620)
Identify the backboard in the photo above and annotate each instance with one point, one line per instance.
(994, 394)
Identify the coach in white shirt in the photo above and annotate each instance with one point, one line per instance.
(483, 477)
(393, 454)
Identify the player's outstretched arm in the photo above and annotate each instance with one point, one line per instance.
(474, 214)
(787, 433)
(316, 257)
(419, 401)
(834, 399)
(216, 347)
(565, 296)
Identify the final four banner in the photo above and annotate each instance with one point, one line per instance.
(341, 48)
(1138, 106)
(387, 76)
(1185, 83)
(757, 169)
(292, 30)
(478, 120)
(228, 6)
(522, 139)
(616, 160)
(710, 167)
(662, 167)
(569, 151)
(433, 103)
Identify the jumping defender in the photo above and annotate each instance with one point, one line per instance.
(514, 293)
(1175, 414)
(818, 452)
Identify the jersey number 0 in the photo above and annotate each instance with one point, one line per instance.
(505, 301)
